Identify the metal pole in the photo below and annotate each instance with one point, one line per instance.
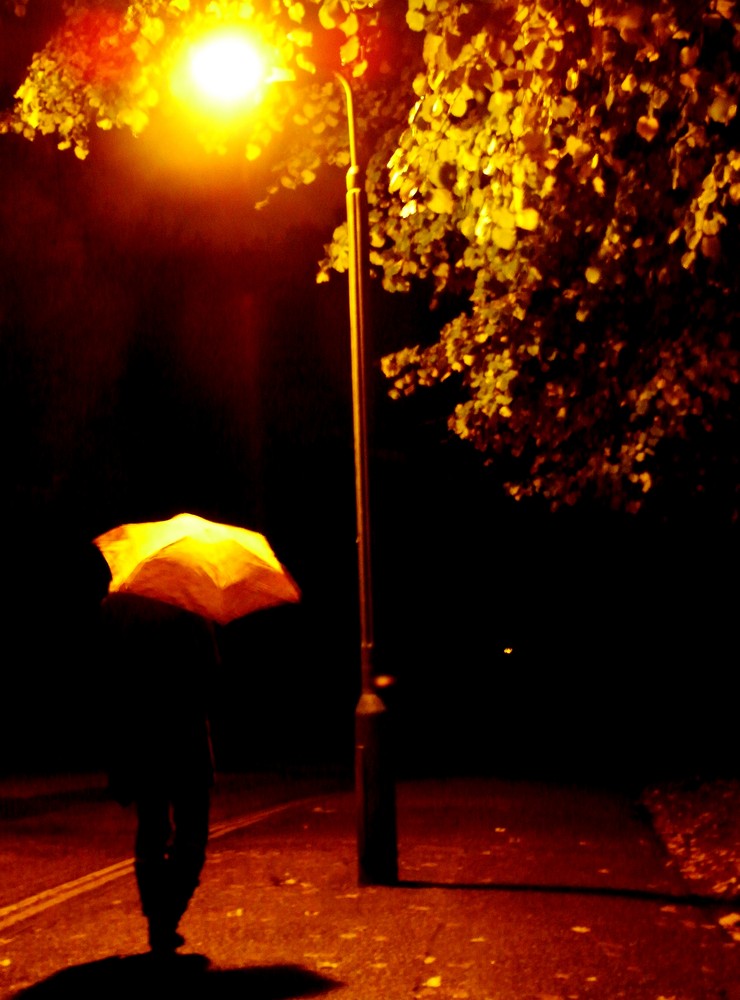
(374, 784)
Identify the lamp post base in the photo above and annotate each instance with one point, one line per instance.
(375, 791)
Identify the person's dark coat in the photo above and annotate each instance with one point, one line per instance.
(161, 663)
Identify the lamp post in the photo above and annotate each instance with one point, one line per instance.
(230, 72)
(374, 784)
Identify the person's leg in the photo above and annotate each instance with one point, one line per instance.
(187, 853)
(151, 865)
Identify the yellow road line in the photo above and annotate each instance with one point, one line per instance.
(32, 905)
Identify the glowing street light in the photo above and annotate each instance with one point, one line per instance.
(227, 67)
(222, 73)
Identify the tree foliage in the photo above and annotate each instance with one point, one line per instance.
(563, 176)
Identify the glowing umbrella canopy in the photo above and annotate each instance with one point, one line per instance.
(216, 570)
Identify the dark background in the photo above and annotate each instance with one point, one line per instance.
(165, 348)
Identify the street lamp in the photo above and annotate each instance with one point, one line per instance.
(226, 68)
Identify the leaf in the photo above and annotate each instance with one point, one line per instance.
(351, 25)
(723, 108)
(505, 239)
(528, 218)
(297, 12)
(305, 63)
(330, 12)
(350, 50)
(459, 105)
(647, 127)
(440, 201)
(504, 218)
(301, 37)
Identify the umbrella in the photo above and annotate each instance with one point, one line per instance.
(216, 570)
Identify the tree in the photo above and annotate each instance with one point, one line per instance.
(563, 178)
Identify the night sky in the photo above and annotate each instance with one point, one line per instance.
(165, 348)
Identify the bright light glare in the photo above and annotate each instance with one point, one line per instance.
(226, 68)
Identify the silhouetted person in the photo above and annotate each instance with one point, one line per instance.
(162, 662)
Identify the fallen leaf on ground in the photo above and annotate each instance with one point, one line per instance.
(731, 923)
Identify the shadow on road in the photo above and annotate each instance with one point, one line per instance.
(687, 899)
(117, 978)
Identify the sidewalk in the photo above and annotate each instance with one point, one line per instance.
(33, 793)
(508, 891)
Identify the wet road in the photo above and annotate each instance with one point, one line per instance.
(508, 891)
(76, 848)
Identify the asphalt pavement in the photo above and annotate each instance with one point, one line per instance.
(508, 890)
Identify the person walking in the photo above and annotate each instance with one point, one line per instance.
(159, 753)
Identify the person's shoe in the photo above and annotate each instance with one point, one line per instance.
(165, 941)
